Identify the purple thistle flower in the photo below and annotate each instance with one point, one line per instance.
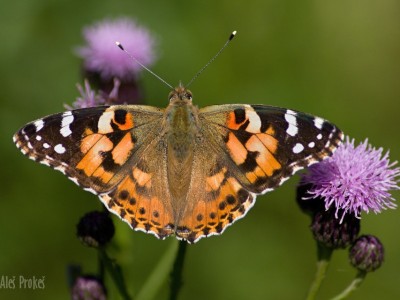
(102, 56)
(354, 179)
(88, 287)
(88, 97)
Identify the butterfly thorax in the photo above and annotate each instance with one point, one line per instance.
(181, 122)
(181, 129)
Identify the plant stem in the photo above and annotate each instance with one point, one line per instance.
(101, 267)
(324, 256)
(176, 274)
(157, 277)
(115, 272)
(352, 286)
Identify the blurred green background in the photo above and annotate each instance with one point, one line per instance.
(336, 59)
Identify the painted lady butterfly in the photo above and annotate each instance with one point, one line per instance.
(181, 170)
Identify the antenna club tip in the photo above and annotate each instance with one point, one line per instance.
(232, 34)
(119, 45)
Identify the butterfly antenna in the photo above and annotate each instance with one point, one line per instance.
(213, 58)
(143, 66)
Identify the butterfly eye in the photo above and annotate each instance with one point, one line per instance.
(188, 96)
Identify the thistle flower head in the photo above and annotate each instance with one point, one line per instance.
(87, 98)
(95, 229)
(367, 253)
(88, 287)
(332, 233)
(354, 179)
(101, 55)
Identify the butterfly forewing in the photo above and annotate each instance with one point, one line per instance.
(89, 145)
(268, 144)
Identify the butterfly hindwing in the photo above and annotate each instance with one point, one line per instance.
(216, 197)
(142, 198)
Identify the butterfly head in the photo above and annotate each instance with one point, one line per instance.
(180, 94)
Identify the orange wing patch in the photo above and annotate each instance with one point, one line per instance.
(89, 141)
(103, 175)
(232, 122)
(261, 141)
(236, 149)
(123, 150)
(213, 183)
(126, 121)
(93, 158)
(139, 209)
(265, 160)
(93, 146)
(211, 216)
(142, 178)
(269, 141)
(264, 144)
(245, 118)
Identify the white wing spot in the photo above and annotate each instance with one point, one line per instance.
(45, 162)
(319, 136)
(68, 118)
(38, 138)
(290, 117)
(59, 149)
(74, 180)
(311, 145)
(45, 145)
(91, 190)
(104, 123)
(318, 122)
(298, 148)
(255, 121)
(60, 168)
(39, 124)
